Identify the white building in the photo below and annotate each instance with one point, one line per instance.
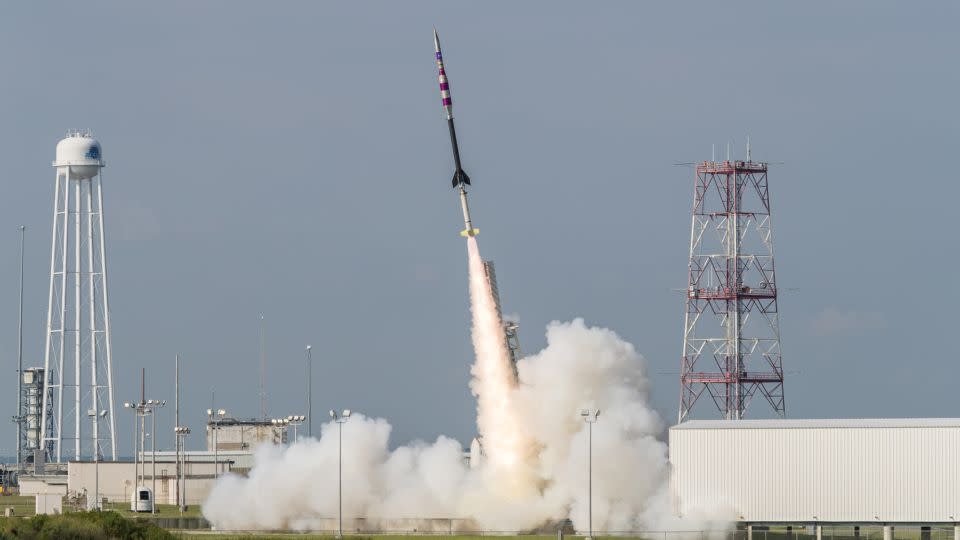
(877, 471)
(234, 434)
(116, 482)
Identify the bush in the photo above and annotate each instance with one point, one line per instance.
(81, 526)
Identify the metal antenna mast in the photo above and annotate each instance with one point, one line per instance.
(21, 414)
(731, 333)
(78, 309)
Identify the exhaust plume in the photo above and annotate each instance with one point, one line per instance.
(534, 470)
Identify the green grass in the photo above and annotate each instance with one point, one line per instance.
(23, 505)
(163, 510)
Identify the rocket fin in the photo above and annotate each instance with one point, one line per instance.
(460, 177)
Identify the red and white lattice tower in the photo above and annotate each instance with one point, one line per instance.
(731, 332)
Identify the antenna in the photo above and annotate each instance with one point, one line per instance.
(748, 148)
(725, 358)
(713, 152)
(20, 411)
(728, 150)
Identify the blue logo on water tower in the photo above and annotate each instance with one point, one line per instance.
(93, 152)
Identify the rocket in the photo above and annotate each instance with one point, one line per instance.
(460, 178)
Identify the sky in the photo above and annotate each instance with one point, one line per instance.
(292, 159)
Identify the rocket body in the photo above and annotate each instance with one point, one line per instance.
(460, 178)
(468, 229)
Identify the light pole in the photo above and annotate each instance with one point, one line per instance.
(182, 432)
(309, 391)
(142, 408)
(281, 423)
(295, 420)
(340, 420)
(93, 413)
(216, 416)
(153, 405)
(590, 417)
(176, 425)
(136, 418)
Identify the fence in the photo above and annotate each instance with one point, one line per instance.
(770, 533)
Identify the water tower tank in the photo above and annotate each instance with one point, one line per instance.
(81, 153)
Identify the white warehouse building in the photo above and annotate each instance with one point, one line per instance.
(876, 471)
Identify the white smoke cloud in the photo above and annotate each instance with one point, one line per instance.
(535, 465)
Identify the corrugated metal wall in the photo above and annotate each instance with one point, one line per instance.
(866, 474)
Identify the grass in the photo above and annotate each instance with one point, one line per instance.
(163, 510)
(81, 526)
(23, 505)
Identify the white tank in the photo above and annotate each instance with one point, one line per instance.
(81, 153)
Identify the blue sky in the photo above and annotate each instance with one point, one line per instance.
(292, 159)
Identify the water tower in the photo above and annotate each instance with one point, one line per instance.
(77, 358)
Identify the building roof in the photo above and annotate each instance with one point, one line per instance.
(822, 423)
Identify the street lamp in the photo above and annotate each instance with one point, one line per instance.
(590, 417)
(309, 391)
(96, 415)
(217, 415)
(142, 408)
(340, 420)
(136, 481)
(181, 432)
(280, 423)
(153, 405)
(295, 420)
